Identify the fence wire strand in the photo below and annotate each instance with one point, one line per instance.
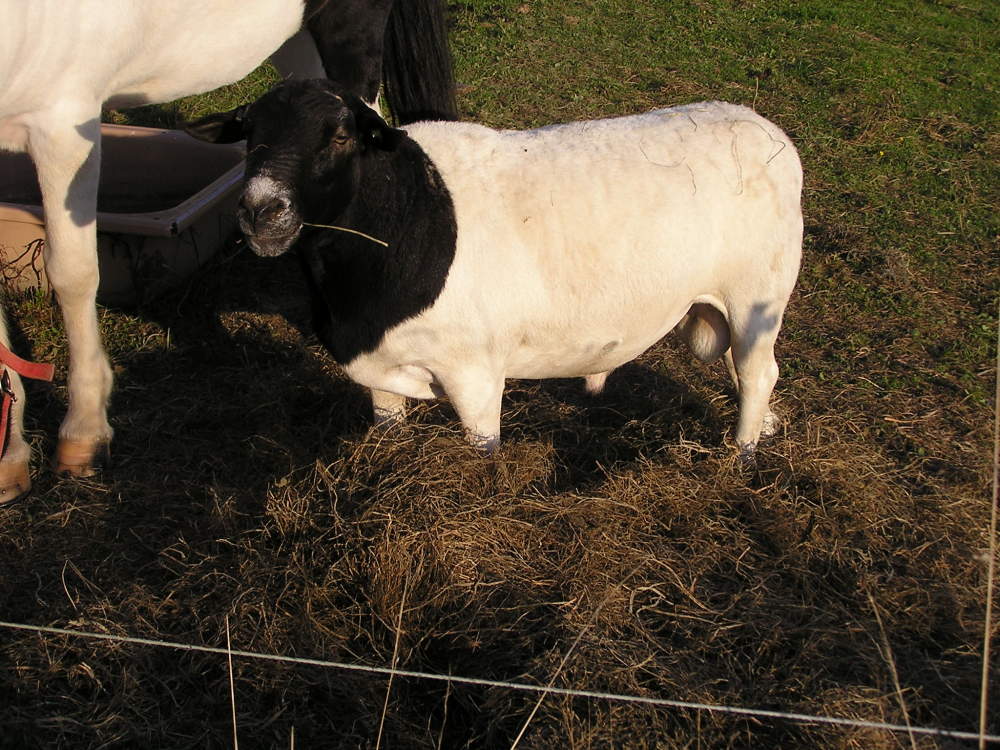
(991, 566)
(524, 687)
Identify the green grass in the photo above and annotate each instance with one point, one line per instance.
(893, 107)
(246, 484)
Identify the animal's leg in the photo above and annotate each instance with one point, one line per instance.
(756, 370)
(476, 396)
(707, 333)
(67, 157)
(595, 383)
(14, 477)
(731, 368)
(350, 42)
(771, 420)
(389, 408)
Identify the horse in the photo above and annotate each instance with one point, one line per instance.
(60, 63)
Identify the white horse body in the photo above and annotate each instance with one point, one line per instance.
(59, 63)
(130, 52)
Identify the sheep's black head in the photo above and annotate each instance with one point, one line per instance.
(304, 143)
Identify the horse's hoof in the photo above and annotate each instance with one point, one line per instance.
(81, 458)
(14, 481)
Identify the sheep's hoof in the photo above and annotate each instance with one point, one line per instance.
(388, 420)
(747, 456)
(81, 458)
(770, 425)
(15, 481)
(486, 443)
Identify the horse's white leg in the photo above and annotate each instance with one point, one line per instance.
(66, 151)
(299, 58)
(14, 477)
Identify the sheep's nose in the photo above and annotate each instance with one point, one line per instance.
(253, 212)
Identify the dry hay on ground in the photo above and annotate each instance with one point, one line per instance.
(247, 487)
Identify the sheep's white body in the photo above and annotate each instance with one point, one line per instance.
(579, 246)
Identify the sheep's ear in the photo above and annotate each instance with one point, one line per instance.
(222, 127)
(374, 132)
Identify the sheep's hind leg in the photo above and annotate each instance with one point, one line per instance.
(709, 335)
(771, 422)
(756, 372)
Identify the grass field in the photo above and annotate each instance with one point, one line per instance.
(844, 575)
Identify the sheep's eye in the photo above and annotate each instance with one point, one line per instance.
(334, 135)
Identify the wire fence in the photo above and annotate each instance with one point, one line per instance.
(801, 718)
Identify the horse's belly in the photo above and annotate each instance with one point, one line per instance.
(190, 55)
(13, 134)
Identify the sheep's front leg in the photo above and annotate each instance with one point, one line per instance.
(389, 408)
(476, 395)
(68, 162)
(594, 384)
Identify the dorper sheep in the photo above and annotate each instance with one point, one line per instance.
(474, 255)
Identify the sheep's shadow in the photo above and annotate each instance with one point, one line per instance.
(242, 345)
(638, 416)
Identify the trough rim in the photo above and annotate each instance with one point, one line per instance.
(167, 222)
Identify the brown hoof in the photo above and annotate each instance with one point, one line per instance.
(14, 481)
(81, 458)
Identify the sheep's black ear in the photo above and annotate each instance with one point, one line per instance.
(222, 127)
(386, 138)
(374, 132)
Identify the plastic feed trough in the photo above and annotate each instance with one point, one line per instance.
(165, 205)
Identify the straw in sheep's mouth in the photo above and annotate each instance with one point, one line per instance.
(345, 229)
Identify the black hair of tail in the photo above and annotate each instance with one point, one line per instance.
(416, 69)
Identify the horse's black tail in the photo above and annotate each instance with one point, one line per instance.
(416, 63)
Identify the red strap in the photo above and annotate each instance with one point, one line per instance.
(5, 401)
(24, 368)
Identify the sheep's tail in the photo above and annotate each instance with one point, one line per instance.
(416, 63)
